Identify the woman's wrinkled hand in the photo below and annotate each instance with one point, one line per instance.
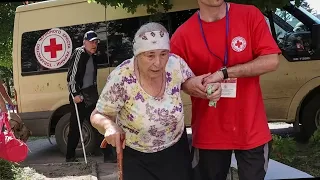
(114, 136)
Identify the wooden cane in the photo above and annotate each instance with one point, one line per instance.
(104, 144)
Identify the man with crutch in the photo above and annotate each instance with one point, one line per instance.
(82, 85)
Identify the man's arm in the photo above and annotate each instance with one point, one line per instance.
(73, 72)
(260, 65)
(264, 48)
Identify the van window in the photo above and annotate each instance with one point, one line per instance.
(121, 32)
(112, 50)
(179, 17)
(120, 37)
(293, 37)
(29, 62)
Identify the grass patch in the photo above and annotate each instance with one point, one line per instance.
(13, 171)
(305, 157)
(9, 171)
(33, 138)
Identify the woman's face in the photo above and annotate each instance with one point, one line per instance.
(153, 63)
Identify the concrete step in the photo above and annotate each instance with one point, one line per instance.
(107, 171)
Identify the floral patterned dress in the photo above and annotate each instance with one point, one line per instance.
(150, 124)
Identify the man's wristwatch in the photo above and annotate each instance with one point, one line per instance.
(224, 72)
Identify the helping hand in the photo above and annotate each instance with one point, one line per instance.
(213, 78)
(194, 86)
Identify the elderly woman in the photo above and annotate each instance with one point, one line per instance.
(141, 103)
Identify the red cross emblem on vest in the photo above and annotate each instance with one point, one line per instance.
(238, 44)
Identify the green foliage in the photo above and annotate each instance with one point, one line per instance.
(155, 6)
(9, 171)
(315, 139)
(7, 14)
(304, 157)
(283, 149)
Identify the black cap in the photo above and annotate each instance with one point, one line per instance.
(90, 36)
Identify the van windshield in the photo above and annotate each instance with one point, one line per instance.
(311, 15)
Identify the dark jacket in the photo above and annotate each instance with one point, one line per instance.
(77, 69)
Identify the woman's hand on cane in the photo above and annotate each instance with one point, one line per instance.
(114, 136)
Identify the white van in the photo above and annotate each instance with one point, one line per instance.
(46, 32)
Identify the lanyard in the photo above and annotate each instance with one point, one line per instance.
(227, 33)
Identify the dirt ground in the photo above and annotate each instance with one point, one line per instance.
(61, 171)
(46, 162)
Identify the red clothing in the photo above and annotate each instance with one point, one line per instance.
(237, 123)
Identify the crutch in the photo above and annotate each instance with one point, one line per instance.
(80, 130)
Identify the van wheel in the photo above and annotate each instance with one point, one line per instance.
(310, 118)
(88, 133)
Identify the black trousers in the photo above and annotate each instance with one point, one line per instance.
(74, 134)
(173, 163)
(215, 164)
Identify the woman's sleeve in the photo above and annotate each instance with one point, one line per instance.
(113, 95)
(186, 72)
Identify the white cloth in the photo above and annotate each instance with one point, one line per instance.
(151, 41)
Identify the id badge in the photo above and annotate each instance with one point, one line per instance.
(229, 88)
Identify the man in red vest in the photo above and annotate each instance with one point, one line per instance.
(234, 43)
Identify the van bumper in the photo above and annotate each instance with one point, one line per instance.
(37, 122)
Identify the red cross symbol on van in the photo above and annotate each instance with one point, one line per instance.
(53, 47)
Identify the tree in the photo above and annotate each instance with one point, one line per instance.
(7, 14)
(155, 6)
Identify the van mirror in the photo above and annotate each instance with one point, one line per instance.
(315, 36)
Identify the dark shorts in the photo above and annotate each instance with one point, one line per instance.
(173, 163)
(215, 164)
